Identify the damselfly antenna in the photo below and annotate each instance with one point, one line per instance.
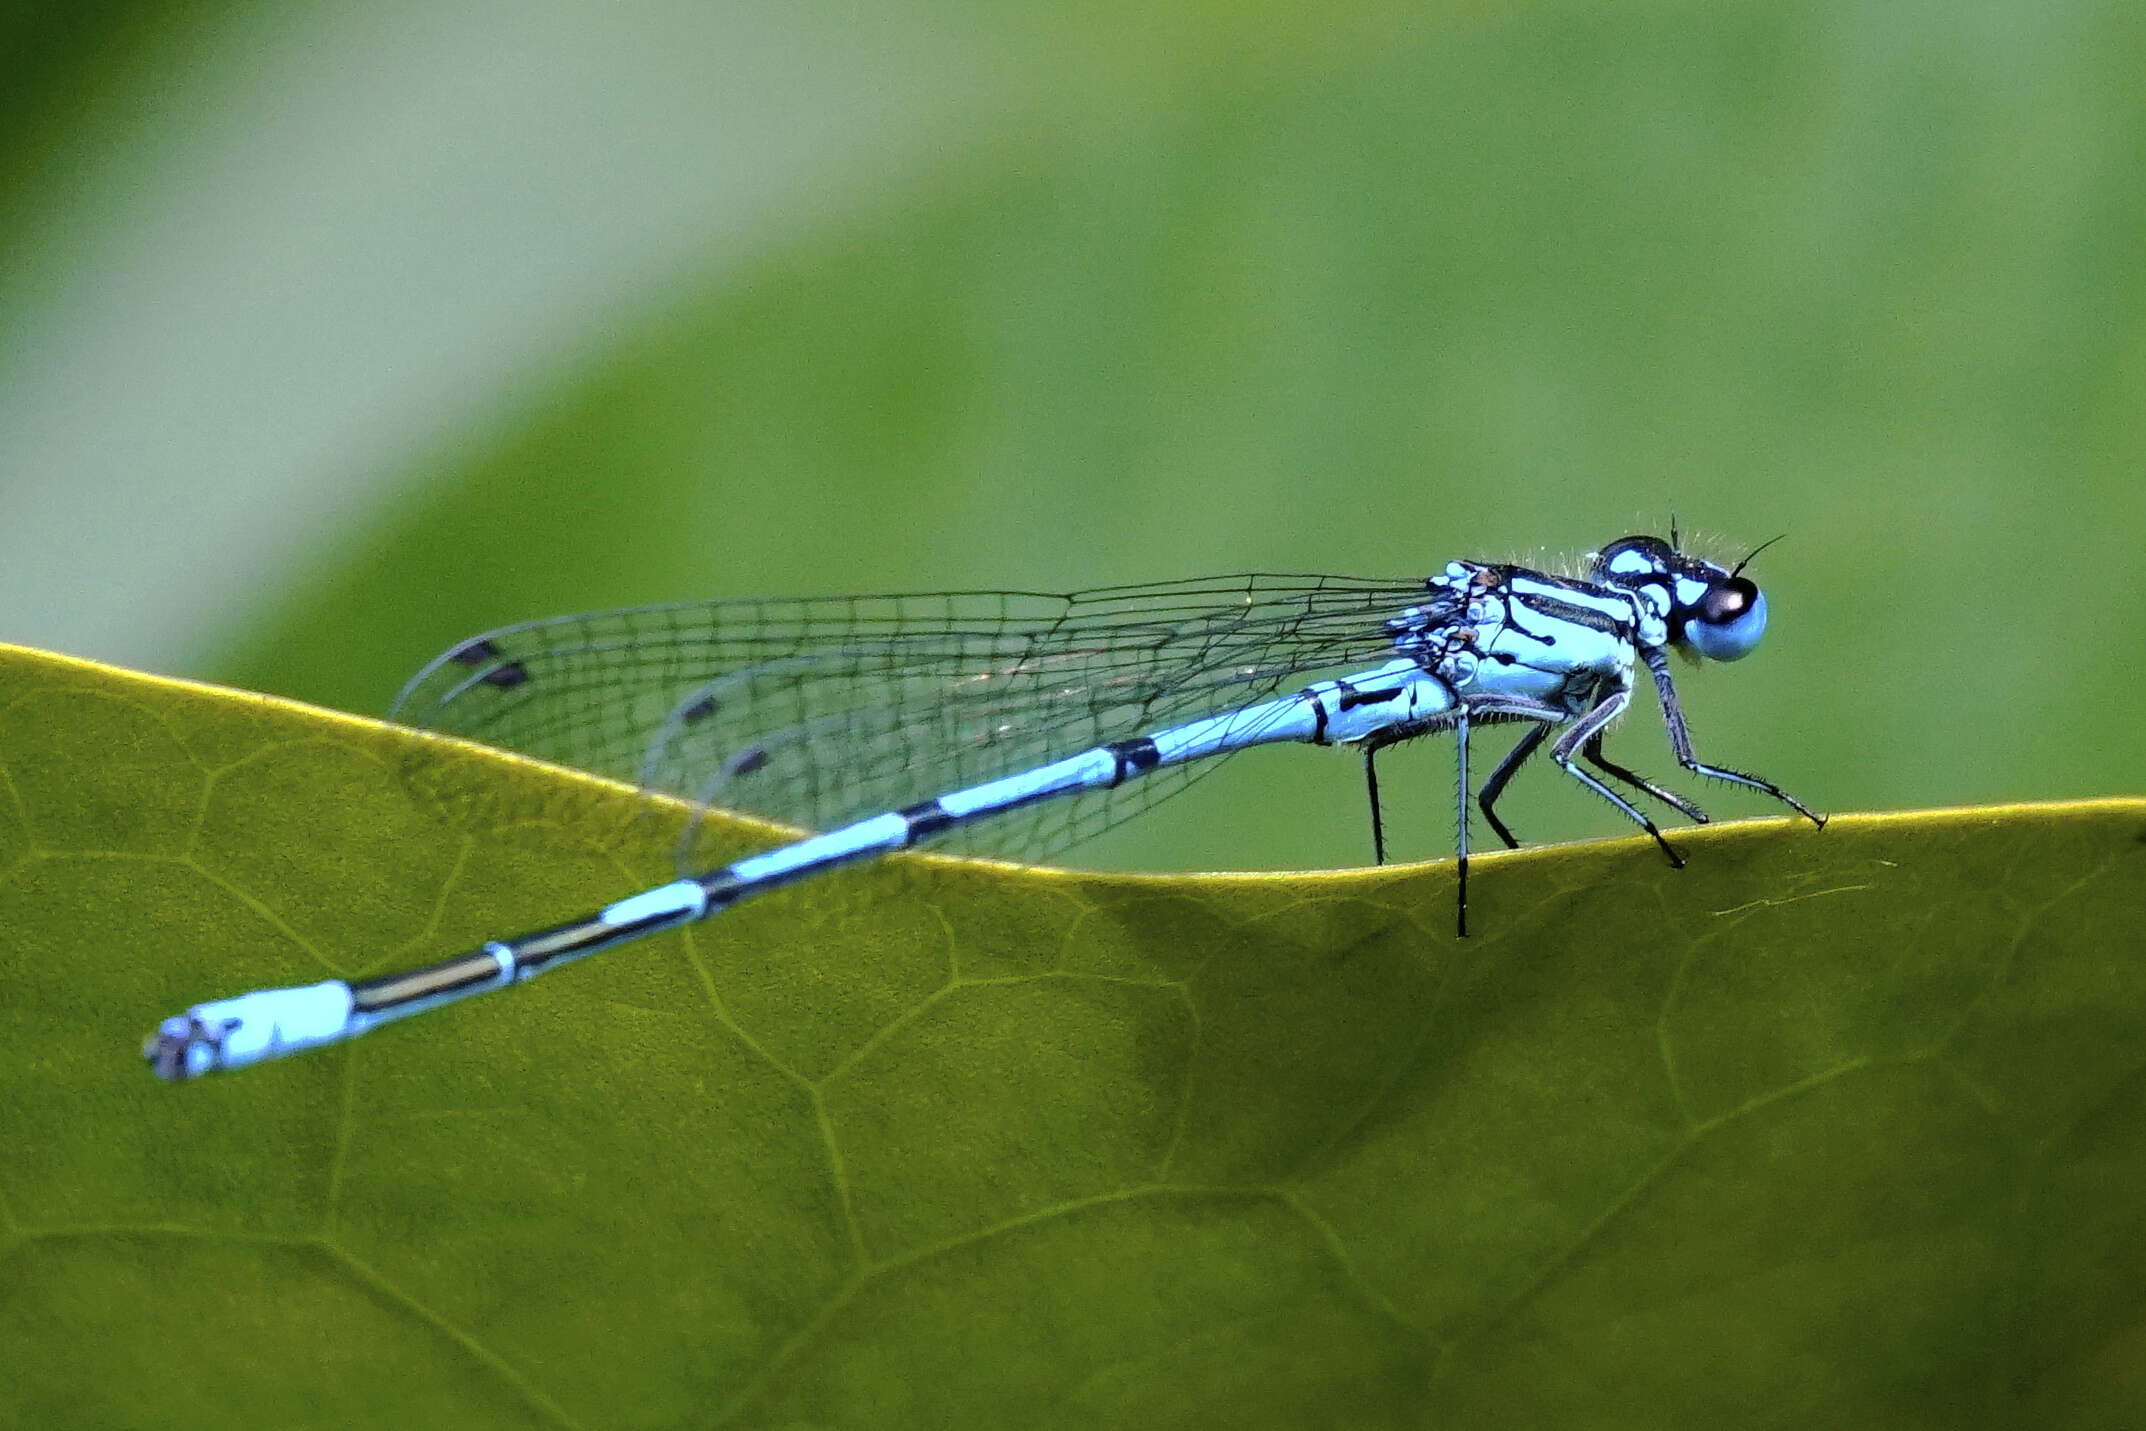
(1738, 569)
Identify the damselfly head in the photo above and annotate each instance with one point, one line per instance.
(1713, 611)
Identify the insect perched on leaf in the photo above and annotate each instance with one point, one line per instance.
(885, 722)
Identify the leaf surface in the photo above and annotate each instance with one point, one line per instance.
(1835, 1128)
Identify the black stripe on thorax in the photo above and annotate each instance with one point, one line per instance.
(1555, 610)
(1544, 578)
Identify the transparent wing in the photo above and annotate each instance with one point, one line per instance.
(816, 711)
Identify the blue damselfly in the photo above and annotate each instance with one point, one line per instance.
(886, 722)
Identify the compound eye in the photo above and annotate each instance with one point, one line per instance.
(1726, 600)
(1727, 622)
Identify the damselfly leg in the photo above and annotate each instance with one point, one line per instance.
(1680, 743)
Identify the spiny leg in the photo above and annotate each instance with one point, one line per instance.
(1546, 717)
(1377, 741)
(1592, 754)
(1586, 728)
(1487, 800)
(1378, 823)
(1680, 743)
(1525, 748)
(1460, 746)
(1457, 720)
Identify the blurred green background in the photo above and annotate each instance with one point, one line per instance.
(331, 333)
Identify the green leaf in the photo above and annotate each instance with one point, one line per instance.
(1830, 1128)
